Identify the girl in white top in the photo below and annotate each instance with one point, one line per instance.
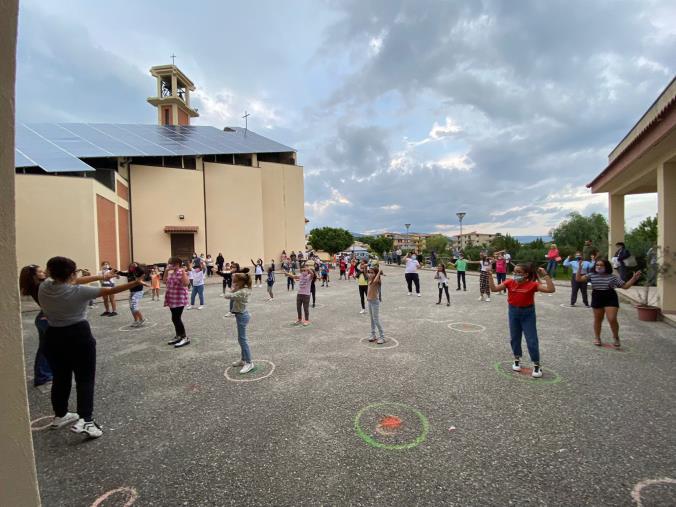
(411, 274)
(108, 299)
(197, 287)
(442, 282)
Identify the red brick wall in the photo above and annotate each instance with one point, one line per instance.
(123, 191)
(105, 219)
(167, 117)
(123, 228)
(183, 118)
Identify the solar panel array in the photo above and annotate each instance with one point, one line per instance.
(58, 147)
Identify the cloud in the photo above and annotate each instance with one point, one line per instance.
(319, 208)
(391, 207)
(225, 108)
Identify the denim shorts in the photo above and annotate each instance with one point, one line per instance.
(135, 299)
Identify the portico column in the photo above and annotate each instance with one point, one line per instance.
(616, 219)
(666, 231)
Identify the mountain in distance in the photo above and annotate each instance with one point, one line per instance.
(529, 239)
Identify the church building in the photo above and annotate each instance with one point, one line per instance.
(121, 192)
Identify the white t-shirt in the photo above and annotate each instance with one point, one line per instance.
(259, 269)
(485, 265)
(197, 277)
(412, 266)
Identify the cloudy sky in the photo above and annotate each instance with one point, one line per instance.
(401, 111)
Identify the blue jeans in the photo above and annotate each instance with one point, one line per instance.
(374, 313)
(242, 321)
(551, 268)
(197, 289)
(42, 372)
(522, 321)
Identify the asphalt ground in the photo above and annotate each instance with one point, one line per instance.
(434, 416)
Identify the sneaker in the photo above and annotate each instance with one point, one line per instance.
(270, 299)
(60, 422)
(458, 288)
(372, 339)
(298, 323)
(175, 340)
(362, 311)
(465, 289)
(200, 307)
(182, 342)
(439, 303)
(488, 300)
(481, 298)
(112, 314)
(88, 428)
(410, 293)
(572, 305)
(516, 366)
(229, 314)
(238, 363)
(105, 314)
(537, 371)
(141, 322)
(418, 294)
(306, 322)
(448, 304)
(247, 368)
(380, 341)
(188, 307)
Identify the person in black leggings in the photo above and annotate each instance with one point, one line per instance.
(360, 274)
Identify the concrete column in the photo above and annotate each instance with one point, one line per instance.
(18, 478)
(616, 221)
(174, 86)
(666, 232)
(174, 114)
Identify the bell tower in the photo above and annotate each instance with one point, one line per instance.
(173, 96)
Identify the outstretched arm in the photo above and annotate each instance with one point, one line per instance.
(491, 282)
(107, 291)
(632, 280)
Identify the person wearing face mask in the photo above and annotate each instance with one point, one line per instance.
(604, 298)
(578, 264)
(411, 274)
(108, 300)
(460, 267)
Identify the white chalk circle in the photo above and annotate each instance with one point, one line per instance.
(390, 343)
(43, 427)
(130, 327)
(466, 327)
(317, 306)
(256, 362)
(564, 305)
(124, 494)
(636, 492)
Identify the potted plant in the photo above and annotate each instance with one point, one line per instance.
(661, 266)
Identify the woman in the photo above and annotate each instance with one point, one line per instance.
(552, 259)
(69, 344)
(30, 279)
(411, 274)
(220, 261)
(176, 299)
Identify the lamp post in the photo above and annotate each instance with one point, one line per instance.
(460, 215)
(407, 238)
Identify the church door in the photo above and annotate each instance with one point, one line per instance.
(183, 246)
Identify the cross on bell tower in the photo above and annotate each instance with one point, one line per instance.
(173, 95)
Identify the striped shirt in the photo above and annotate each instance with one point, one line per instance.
(603, 281)
(177, 293)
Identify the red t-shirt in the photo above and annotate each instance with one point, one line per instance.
(521, 294)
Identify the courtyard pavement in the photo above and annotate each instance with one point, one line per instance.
(433, 417)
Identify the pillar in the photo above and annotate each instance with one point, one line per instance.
(18, 478)
(666, 233)
(616, 221)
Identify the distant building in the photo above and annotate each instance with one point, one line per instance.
(473, 238)
(119, 192)
(410, 241)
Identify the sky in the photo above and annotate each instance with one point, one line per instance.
(401, 111)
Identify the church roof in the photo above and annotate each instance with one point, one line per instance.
(58, 147)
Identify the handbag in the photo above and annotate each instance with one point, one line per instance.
(630, 262)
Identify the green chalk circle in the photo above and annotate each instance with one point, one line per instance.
(366, 437)
(553, 377)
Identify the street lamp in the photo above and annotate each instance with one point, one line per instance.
(460, 215)
(408, 240)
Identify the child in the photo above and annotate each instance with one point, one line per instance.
(30, 279)
(362, 283)
(197, 286)
(485, 265)
(372, 296)
(227, 278)
(271, 281)
(290, 283)
(303, 297)
(521, 289)
(461, 268)
(313, 288)
(343, 269)
(108, 301)
(604, 298)
(500, 269)
(325, 274)
(135, 272)
(154, 283)
(241, 285)
(176, 298)
(258, 272)
(353, 268)
(442, 282)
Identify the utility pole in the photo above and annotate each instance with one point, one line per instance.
(460, 215)
(408, 239)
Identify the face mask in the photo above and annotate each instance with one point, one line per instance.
(413, 257)
(518, 278)
(600, 269)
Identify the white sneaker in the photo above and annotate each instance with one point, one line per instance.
(481, 298)
(200, 307)
(188, 307)
(90, 429)
(141, 322)
(229, 314)
(516, 366)
(247, 368)
(362, 311)
(410, 293)
(488, 300)
(60, 422)
(418, 294)
(238, 363)
(537, 372)
(184, 341)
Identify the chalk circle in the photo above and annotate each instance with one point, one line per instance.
(549, 376)
(299, 326)
(576, 307)
(613, 348)
(129, 327)
(466, 327)
(317, 306)
(124, 494)
(262, 369)
(636, 492)
(391, 426)
(44, 426)
(390, 343)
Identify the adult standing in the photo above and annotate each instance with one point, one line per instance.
(398, 252)
(584, 267)
(621, 254)
(220, 261)
(552, 258)
(176, 299)
(411, 274)
(210, 265)
(587, 250)
(433, 259)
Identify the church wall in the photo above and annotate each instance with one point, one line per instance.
(295, 207)
(234, 211)
(158, 196)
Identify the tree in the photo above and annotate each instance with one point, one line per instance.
(331, 240)
(506, 242)
(382, 244)
(436, 243)
(576, 229)
(641, 239)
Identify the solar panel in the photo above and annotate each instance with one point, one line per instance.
(57, 147)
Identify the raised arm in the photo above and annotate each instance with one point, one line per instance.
(549, 284)
(632, 280)
(491, 282)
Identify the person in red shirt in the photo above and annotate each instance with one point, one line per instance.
(521, 289)
(553, 258)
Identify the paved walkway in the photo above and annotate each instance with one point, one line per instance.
(432, 417)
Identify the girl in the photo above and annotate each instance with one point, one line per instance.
(154, 283)
(303, 297)
(191, 273)
(108, 301)
(197, 286)
(353, 268)
(220, 261)
(500, 269)
(362, 283)
(485, 265)
(176, 298)
(604, 298)
(290, 283)
(210, 265)
(442, 283)
(343, 268)
(241, 285)
(271, 281)
(258, 272)
(521, 289)
(135, 272)
(313, 287)
(69, 344)
(325, 274)
(30, 279)
(373, 293)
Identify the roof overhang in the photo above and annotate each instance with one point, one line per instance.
(160, 101)
(181, 229)
(169, 70)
